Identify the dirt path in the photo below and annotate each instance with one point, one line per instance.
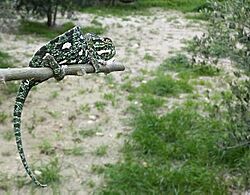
(87, 115)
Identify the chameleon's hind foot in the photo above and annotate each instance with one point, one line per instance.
(58, 71)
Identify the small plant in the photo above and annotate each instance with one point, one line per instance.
(127, 86)
(90, 183)
(75, 151)
(3, 117)
(4, 60)
(53, 95)
(88, 132)
(54, 114)
(50, 173)
(21, 181)
(94, 29)
(46, 148)
(101, 150)
(4, 182)
(98, 169)
(81, 91)
(8, 135)
(148, 57)
(10, 88)
(100, 105)
(85, 108)
(110, 97)
(110, 80)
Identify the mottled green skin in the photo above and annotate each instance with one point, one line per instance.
(72, 47)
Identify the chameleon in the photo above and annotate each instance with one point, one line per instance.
(72, 47)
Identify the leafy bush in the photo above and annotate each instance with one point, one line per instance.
(228, 34)
(238, 115)
(229, 37)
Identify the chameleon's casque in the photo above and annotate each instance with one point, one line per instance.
(72, 47)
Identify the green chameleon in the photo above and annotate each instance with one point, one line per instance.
(72, 47)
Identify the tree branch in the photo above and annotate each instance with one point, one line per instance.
(10, 74)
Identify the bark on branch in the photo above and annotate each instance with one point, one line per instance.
(10, 74)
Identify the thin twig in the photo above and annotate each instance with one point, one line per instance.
(10, 74)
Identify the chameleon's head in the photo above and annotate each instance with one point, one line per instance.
(102, 46)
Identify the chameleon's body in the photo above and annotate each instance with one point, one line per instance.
(72, 47)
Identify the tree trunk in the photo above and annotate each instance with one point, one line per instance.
(49, 16)
(112, 2)
(54, 15)
(49, 19)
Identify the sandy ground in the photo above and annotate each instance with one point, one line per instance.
(60, 111)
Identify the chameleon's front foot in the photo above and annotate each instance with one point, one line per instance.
(58, 71)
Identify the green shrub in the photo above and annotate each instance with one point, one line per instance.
(228, 33)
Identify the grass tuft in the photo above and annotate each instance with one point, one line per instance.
(5, 184)
(46, 148)
(3, 117)
(101, 150)
(88, 132)
(185, 69)
(4, 60)
(75, 151)
(10, 88)
(98, 30)
(50, 173)
(164, 85)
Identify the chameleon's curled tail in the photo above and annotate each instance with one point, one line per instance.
(23, 92)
